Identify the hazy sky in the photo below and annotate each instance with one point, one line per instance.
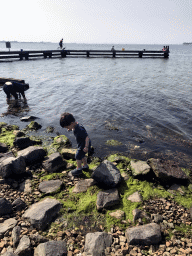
(97, 21)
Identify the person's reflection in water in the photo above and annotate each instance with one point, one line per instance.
(16, 108)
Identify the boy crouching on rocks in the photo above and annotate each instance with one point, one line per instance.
(67, 120)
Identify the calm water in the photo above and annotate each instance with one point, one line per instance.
(148, 100)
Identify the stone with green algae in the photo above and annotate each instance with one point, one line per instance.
(113, 143)
(139, 167)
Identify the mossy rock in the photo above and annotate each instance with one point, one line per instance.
(36, 141)
(60, 142)
(2, 124)
(113, 143)
(118, 158)
(7, 137)
(50, 129)
(68, 153)
(33, 126)
(8, 127)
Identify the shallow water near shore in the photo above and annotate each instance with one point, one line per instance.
(143, 103)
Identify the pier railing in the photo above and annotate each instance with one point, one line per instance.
(26, 55)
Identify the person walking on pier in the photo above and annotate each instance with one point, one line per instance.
(12, 88)
(67, 121)
(112, 49)
(61, 43)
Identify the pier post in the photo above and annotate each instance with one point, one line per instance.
(26, 55)
(87, 54)
(45, 55)
(166, 53)
(140, 54)
(50, 54)
(21, 55)
(63, 54)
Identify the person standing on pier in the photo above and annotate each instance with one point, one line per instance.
(12, 88)
(61, 43)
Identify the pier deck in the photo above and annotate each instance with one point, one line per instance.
(26, 55)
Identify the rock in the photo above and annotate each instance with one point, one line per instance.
(139, 168)
(57, 248)
(125, 176)
(16, 235)
(137, 214)
(3, 147)
(25, 186)
(24, 247)
(33, 126)
(12, 165)
(7, 225)
(96, 243)
(36, 239)
(54, 163)
(18, 133)
(83, 185)
(18, 204)
(144, 235)
(28, 118)
(6, 155)
(118, 214)
(176, 187)
(50, 129)
(107, 198)
(167, 171)
(5, 207)
(2, 181)
(107, 175)
(157, 218)
(32, 154)
(40, 214)
(22, 143)
(8, 254)
(61, 141)
(68, 153)
(50, 186)
(135, 197)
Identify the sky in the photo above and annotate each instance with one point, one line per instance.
(97, 21)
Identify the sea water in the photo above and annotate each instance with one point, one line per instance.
(144, 103)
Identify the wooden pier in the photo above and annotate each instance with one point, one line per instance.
(31, 55)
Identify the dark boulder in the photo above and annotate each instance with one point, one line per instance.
(107, 175)
(22, 143)
(167, 171)
(3, 147)
(54, 162)
(5, 207)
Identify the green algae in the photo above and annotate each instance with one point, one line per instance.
(7, 137)
(76, 206)
(60, 141)
(118, 158)
(36, 141)
(113, 143)
(2, 124)
(33, 126)
(53, 176)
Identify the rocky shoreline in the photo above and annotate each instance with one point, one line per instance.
(120, 206)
